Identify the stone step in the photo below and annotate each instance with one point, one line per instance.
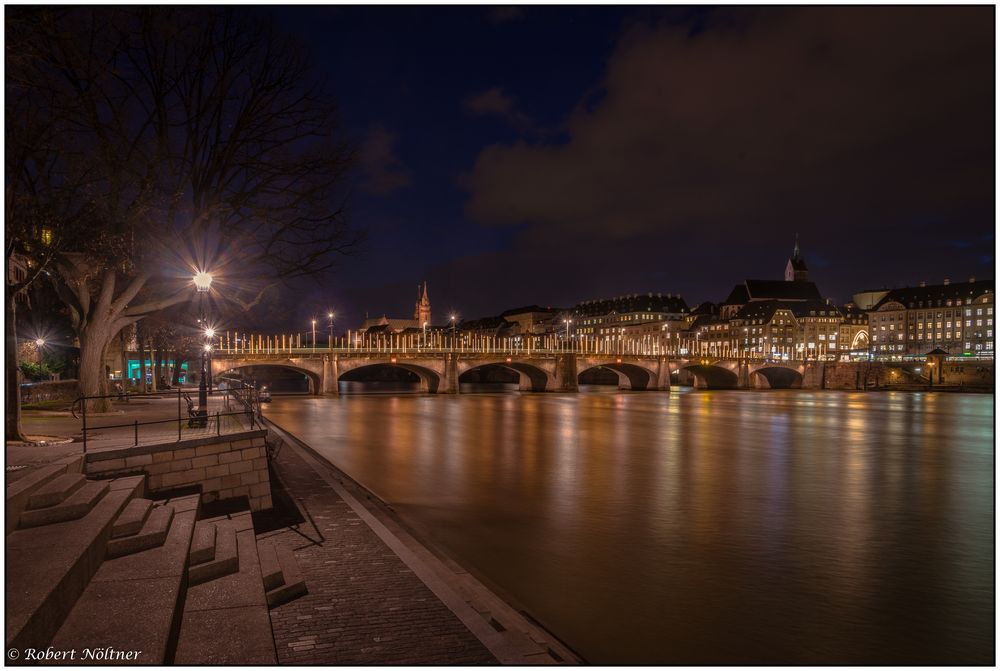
(226, 620)
(134, 603)
(203, 545)
(48, 567)
(270, 569)
(152, 534)
(78, 504)
(21, 489)
(132, 518)
(56, 491)
(293, 584)
(225, 562)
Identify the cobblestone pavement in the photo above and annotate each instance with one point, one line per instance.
(364, 605)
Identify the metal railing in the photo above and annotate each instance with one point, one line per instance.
(227, 411)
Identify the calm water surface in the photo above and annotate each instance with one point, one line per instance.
(699, 527)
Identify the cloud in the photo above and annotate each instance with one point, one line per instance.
(382, 169)
(494, 102)
(843, 121)
(498, 15)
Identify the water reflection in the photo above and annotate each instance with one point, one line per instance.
(701, 527)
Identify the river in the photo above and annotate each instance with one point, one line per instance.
(697, 527)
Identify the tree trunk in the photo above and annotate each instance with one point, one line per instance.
(176, 378)
(142, 360)
(12, 419)
(154, 364)
(92, 376)
(124, 359)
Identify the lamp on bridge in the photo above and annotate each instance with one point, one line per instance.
(329, 315)
(453, 332)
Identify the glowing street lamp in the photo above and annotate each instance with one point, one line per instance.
(329, 316)
(314, 334)
(40, 342)
(202, 281)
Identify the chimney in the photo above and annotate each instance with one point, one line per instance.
(923, 284)
(947, 281)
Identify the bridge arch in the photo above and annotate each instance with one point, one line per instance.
(630, 376)
(777, 377)
(530, 377)
(223, 367)
(430, 380)
(708, 376)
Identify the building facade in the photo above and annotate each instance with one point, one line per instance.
(956, 317)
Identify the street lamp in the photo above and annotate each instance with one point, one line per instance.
(329, 315)
(425, 334)
(567, 322)
(314, 334)
(202, 281)
(453, 332)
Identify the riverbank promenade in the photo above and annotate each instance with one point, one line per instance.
(375, 595)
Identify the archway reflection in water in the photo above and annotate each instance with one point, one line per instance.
(699, 527)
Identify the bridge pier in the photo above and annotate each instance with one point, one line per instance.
(330, 376)
(663, 375)
(449, 382)
(565, 373)
(812, 376)
(743, 376)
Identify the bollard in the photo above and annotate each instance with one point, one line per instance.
(136, 432)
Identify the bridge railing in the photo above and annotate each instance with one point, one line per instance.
(441, 342)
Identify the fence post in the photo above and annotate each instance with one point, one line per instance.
(218, 424)
(136, 432)
(178, 414)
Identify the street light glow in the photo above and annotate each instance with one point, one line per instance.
(40, 342)
(208, 348)
(210, 332)
(203, 281)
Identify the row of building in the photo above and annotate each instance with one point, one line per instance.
(776, 319)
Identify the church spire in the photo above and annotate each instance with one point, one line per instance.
(422, 311)
(796, 270)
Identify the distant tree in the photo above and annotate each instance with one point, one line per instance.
(189, 138)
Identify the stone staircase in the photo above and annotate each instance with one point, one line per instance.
(93, 564)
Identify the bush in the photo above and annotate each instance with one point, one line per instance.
(35, 371)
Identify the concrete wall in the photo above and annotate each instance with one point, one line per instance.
(225, 466)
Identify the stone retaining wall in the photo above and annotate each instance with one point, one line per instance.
(225, 466)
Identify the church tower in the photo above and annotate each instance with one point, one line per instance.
(796, 270)
(422, 312)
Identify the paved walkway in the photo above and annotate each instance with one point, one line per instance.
(365, 606)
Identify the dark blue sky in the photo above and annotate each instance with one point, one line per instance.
(556, 154)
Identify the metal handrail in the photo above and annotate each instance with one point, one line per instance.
(246, 399)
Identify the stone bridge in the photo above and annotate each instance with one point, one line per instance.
(439, 372)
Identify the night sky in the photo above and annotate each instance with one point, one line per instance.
(550, 155)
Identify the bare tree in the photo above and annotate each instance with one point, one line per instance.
(189, 139)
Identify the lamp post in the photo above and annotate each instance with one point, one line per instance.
(453, 333)
(203, 283)
(329, 315)
(314, 334)
(567, 322)
(425, 334)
